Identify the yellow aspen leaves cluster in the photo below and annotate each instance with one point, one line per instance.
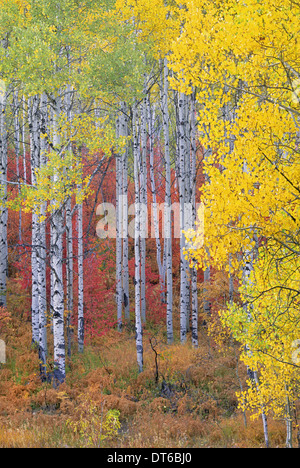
(243, 57)
(154, 21)
(56, 181)
(270, 340)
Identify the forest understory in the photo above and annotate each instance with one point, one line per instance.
(185, 398)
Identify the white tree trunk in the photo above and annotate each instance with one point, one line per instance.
(34, 128)
(193, 186)
(161, 272)
(80, 280)
(3, 197)
(144, 208)
(57, 292)
(69, 240)
(168, 203)
(123, 130)
(137, 245)
(184, 304)
(42, 251)
(119, 184)
(16, 109)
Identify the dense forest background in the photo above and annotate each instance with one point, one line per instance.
(149, 223)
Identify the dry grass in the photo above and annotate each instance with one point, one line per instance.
(193, 403)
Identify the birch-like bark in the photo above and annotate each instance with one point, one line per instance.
(69, 241)
(34, 129)
(3, 198)
(206, 273)
(119, 235)
(144, 207)
(182, 150)
(123, 131)
(193, 186)
(289, 422)
(57, 292)
(168, 203)
(150, 117)
(188, 211)
(80, 279)
(16, 110)
(23, 131)
(42, 250)
(137, 244)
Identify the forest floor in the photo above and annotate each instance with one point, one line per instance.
(187, 400)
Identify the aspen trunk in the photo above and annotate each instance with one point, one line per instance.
(34, 127)
(137, 245)
(193, 181)
(16, 109)
(59, 372)
(119, 186)
(42, 251)
(168, 203)
(123, 131)
(69, 242)
(80, 281)
(24, 138)
(143, 206)
(206, 274)
(3, 198)
(154, 201)
(184, 305)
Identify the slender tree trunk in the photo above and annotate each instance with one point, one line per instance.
(16, 108)
(59, 372)
(34, 128)
(42, 251)
(137, 245)
(188, 208)
(144, 207)
(80, 279)
(69, 243)
(24, 138)
(3, 198)
(119, 184)
(168, 203)
(193, 186)
(206, 274)
(289, 422)
(125, 271)
(154, 202)
(184, 305)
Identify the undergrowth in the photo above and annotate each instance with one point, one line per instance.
(184, 398)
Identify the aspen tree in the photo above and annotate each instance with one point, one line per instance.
(124, 132)
(150, 116)
(80, 278)
(34, 129)
(42, 249)
(137, 242)
(57, 292)
(119, 184)
(69, 235)
(168, 200)
(193, 186)
(16, 110)
(144, 203)
(80, 249)
(3, 194)
(182, 150)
